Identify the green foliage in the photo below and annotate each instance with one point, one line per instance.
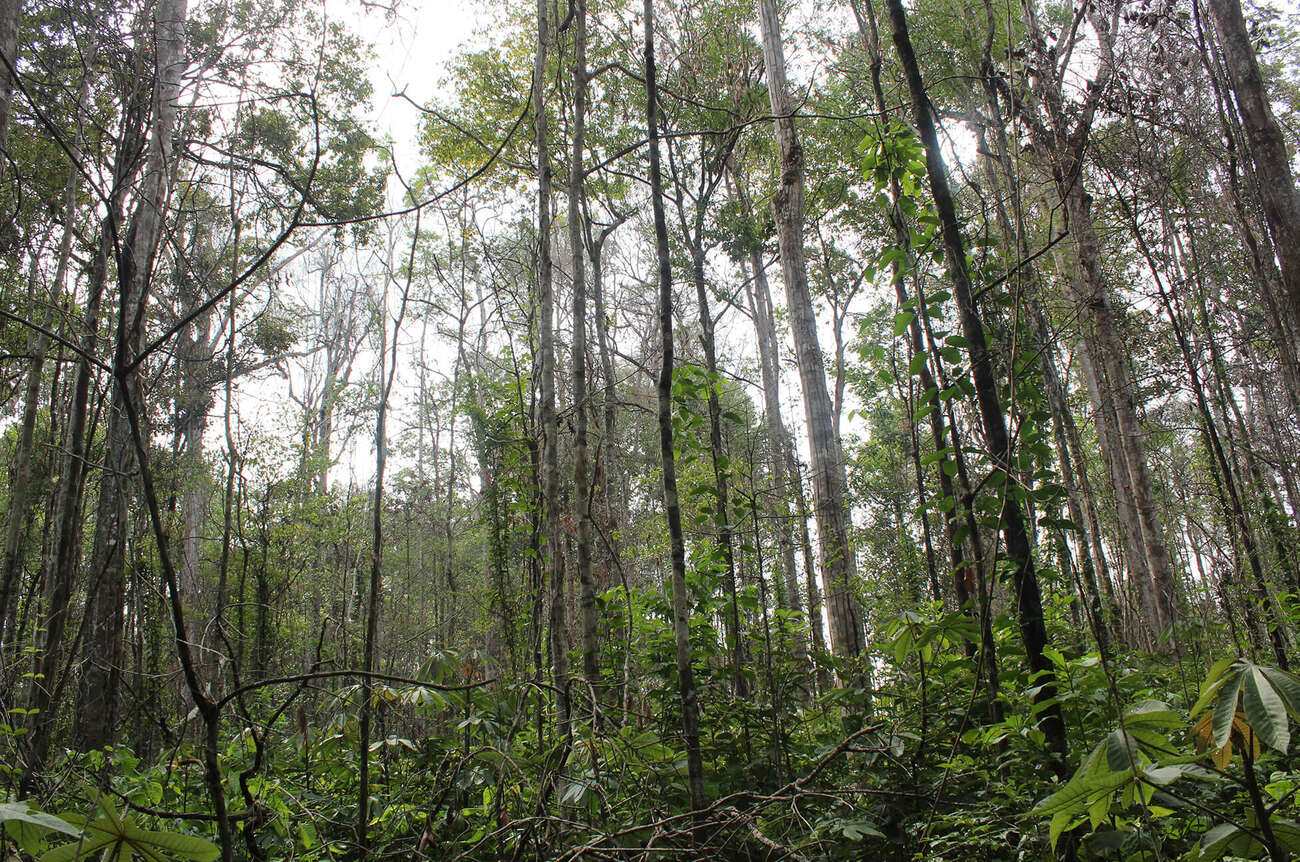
(111, 837)
(1124, 787)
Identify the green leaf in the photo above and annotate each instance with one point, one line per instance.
(1225, 707)
(1265, 711)
(902, 320)
(80, 849)
(1287, 686)
(1213, 680)
(1121, 749)
(186, 846)
(1215, 843)
(1151, 713)
(860, 829)
(1098, 810)
(24, 813)
(1061, 822)
(1078, 794)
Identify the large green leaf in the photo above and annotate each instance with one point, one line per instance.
(1121, 750)
(1078, 794)
(1225, 707)
(1218, 841)
(84, 849)
(24, 813)
(1151, 713)
(124, 838)
(1287, 686)
(1265, 711)
(1214, 680)
(186, 846)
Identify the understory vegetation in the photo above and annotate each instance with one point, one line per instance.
(744, 430)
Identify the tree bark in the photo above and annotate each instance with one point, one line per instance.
(672, 507)
(828, 474)
(1277, 190)
(1033, 630)
(101, 656)
(549, 421)
(581, 467)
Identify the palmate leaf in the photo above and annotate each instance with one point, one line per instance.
(1287, 687)
(1213, 679)
(123, 838)
(1249, 699)
(84, 849)
(1265, 711)
(1203, 733)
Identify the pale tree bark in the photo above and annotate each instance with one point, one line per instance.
(581, 467)
(1110, 358)
(1277, 190)
(777, 500)
(1061, 133)
(11, 14)
(758, 295)
(828, 476)
(672, 507)
(196, 345)
(101, 656)
(548, 420)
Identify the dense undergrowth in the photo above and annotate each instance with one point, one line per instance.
(924, 766)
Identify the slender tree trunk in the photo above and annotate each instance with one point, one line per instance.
(581, 467)
(759, 297)
(375, 596)
(1110, 358)
(11, 15)
(867, 28)
(810, 569)
(672, 508)
(549, 421)
(722, 502)
(1028, 597)
(828, 475)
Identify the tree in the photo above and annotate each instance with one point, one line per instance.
(828, 477)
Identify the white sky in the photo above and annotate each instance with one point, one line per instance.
(412, 48)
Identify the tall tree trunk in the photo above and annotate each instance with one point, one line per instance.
(1033, 630)
(11, 15)
(759, 297)
(1277, 190)
(828, 476)
(375, 596)
(581, 467)
(672, 508)
(549, 421)
(867, 28)
(101, 656)
(1115, 380)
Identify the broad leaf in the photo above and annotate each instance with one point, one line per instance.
(24, 813)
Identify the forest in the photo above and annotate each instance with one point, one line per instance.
(708, 429)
